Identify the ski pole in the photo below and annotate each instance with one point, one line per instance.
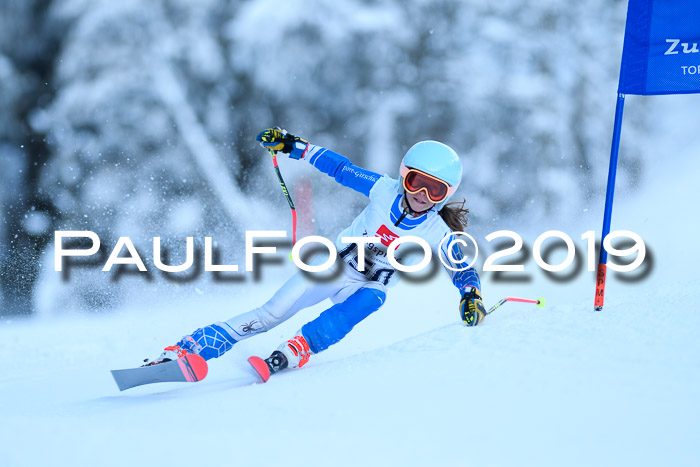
(539, 302)
(286, 194)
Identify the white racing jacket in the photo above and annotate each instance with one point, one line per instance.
(384, 218)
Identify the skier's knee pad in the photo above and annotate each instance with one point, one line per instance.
(210, 341)
(334, 323)
(361, 304)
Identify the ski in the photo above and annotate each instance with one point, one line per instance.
(269, 366)
(260, 367)
(190, 368)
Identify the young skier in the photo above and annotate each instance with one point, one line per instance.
(415, 205)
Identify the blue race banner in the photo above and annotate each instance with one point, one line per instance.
(661, 53)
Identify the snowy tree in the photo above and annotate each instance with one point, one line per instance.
(139, 129)
(524, 90)
(26, 46)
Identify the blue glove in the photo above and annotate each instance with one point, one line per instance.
(278, 140)
(471, 308)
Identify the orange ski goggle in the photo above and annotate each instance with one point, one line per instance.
(415, 181)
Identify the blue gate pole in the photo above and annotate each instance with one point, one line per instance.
(612, 171)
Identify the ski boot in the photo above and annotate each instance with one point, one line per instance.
(185, 346)
(294, 353)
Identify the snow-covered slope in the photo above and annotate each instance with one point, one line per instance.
(558, 385)
(552, 386)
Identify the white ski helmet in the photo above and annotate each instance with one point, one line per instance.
(435, 159)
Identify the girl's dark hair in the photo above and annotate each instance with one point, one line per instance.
(455, 215)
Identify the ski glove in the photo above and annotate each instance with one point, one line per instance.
(276, 139)
(471, 308)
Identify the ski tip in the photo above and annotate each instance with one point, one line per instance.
(260, 368)
(540, 302)
(120, 384)
(193, 367)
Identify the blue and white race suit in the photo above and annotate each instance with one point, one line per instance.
(356, 294)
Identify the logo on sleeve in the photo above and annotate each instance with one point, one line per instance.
(386, 235)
